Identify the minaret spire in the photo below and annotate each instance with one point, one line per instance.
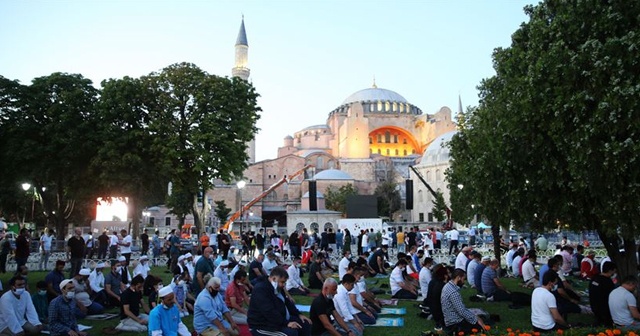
(460, 104)
(241, 67)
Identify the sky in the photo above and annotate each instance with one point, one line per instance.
(305, 57)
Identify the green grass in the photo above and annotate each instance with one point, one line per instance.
(515, 319)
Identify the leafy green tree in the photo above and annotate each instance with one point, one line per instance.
(389, 199)
(222, 211)
(200, 125)
(125, 163)
(48, 132)
(336, 198)
(555, 137)
(439, 209)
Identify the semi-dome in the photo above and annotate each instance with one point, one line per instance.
(332, 174)
(438, 151)
(375, 94)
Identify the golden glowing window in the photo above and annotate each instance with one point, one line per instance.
(379, 138)
(394, 107)
(401, 108)
(388, 151)
(379, 151)
(395, 138)
(387, 137)
(405, 152)
(387, 106)
(396, 152)
(379, 106)
(404, 141)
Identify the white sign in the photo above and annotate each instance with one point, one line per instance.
(356, 224)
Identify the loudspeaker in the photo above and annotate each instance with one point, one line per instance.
(409, 189)
(313, 200)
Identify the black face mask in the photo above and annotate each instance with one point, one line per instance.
(213, 292)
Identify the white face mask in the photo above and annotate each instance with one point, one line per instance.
(19, 291)
(160, 287)
(181, 282)
(402, 269)
(275, 286)
(330, 296)
(70, 295)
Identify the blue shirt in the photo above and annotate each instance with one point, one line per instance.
(488, 286)
(61, 316)
(416, 262)
(477, 277)
(166, 320)
(543, 270)
(54, 278)
(207, 309)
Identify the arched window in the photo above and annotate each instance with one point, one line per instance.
(314, 227)
(387, 137)
(387, 107)
(394, 107)
(331, 164)
(379, 106)
(420, 196)
(370, 140)
(379, 151)
(395, 138)
(388, 151)
(320, 162)
(328, 225)
(428, 175)
(401, 108)
(405, 152)
(396, 152)
(404, 141)
(379, 138)
(438, 175)
(370, 107)
(300, 227)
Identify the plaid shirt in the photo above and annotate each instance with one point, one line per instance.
(452, 307)
(61, 316)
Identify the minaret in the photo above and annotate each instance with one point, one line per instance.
(241, 70)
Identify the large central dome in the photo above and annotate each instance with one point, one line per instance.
(375, 94)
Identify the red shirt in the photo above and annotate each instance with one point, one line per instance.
(236, 291)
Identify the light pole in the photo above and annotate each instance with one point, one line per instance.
(26, 186)
(241, 184)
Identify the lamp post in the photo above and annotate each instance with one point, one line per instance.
(26, 186)
(241, 184)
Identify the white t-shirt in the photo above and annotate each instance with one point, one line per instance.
(471, 271)
(395, 279)
(528, 270)
(454, 235)
(461, 261)
(113, 240)
(294, 280)
(620, 300)
(515, 266)
(46, 242)
(342, 303)
(343, 265)
(424, 278)
(541, 301)
(365, 241)
(125, 240)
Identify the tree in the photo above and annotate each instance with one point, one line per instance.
(556, 134)
(200, 125)
(125, 163)
(389, 200)
(48, 141)
(221, 211)
(336, 198)
(439, 209)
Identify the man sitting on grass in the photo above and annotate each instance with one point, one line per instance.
(544, 310)
(457, 318)
(623, 306)
(400, 288)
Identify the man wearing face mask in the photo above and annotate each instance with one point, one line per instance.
(272, 312)
(96, 285)
(164, 319)
(142, 267)
(401, 289)
(41, 303)
(84, 305)
(113, 285)
(204, 266)
(18, 315)
(211, 316)
(222, 273)
(457, 317)
(131, 319)
(62, 320)
(295, 286)
(322, 309)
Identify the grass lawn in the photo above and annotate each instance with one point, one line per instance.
(515, 319)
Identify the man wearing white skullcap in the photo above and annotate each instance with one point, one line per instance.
(222, 272)
(96, 282)
(191, 268)
(84, 305)
(143, 267)
(164, 319)
(62, 320)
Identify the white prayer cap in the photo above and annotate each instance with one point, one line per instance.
(64, 283)
(164, 291)
(188, 255)
(243, 263)
(180, 258)
(100, 265)
(84, 271)
(224, 263)
(144, 257)
(122, 258)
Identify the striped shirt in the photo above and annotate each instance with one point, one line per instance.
(453, 309)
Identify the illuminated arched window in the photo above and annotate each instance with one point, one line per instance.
(379, 106)
(387, 137)
(401, 108)
(388, 151)
(395, 138)
(371, 106)
(379, 151)
(405, 152)
(404, 141)
(387, 106)
(396, 152)
(394, 107)
(379, 138)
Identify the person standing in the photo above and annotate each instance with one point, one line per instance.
(156, 244)
(339, 241)
(45, 249)
(103, 245)
(125, 245)
(204, 266)
(224, 243)
(5, 249)
(62, 320)
(472, 236)
(347, 240)
(113, 245)
(164, 319)
(454, 235)
(22, 248)
(400, 240)
(144, 238)
(260, 241)
(75, 252)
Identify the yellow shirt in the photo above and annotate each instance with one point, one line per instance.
(400, 237)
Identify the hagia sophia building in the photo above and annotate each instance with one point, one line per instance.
(373, 135)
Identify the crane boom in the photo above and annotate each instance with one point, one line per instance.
(433, 192)
(246, 207)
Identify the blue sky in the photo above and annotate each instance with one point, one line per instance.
(305, 57)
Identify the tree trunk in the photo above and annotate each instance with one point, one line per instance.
(135, 219)
(625, 261)
(495, 232)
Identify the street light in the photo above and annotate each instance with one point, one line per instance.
(26, 186)
(460, 186)
(241, 184)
